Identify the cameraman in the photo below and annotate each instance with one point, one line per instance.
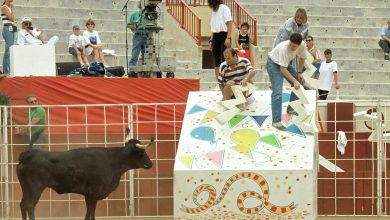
(137, 25)
(29, 35)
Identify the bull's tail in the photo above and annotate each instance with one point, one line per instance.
(34, 138)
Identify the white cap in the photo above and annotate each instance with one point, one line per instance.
(26, 19)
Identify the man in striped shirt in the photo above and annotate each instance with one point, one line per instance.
(234, 71)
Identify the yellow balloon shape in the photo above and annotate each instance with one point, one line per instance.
(245, 138)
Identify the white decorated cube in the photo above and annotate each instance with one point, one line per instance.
(245, 168)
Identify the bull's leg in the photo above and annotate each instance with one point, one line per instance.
(91, 206)
(23, 210)
(29, 201)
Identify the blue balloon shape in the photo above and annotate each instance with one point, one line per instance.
(204, 133)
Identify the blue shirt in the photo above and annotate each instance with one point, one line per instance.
(136, 17)
(385, 31)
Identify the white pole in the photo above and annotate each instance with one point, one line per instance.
(378, 127)
(4, 148)
(131, 172)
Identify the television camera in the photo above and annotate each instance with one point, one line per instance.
(150, 11)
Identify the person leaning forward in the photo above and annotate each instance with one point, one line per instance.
(279, 67)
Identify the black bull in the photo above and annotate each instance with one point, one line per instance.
(92, 172)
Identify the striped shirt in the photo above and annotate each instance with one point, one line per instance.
(4, 18)
(237, 73)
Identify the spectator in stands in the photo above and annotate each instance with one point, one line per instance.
(279, 67)
(243, 41)
(137, 25)
(296, 24)
(29, 35)
(93, 43)
(77, 46)
(328, 72)
(221, 29)
(384, 43)
(36, 121)
(234, 70)
(315, 52)
(9, 29)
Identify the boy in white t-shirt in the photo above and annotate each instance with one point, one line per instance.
(77, 46)
(328, 72)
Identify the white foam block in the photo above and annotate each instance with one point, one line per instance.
(356, 114)
(301, 95)
(227, 115)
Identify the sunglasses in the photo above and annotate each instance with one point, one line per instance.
(308, 40)
(33, 101)
(27, 23)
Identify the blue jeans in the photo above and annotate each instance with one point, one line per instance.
(276, 78)
(139, 43)
(9, 38)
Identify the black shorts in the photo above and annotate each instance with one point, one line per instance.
(218, 46)
(73, 51)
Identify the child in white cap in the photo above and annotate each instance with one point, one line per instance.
(77, 46)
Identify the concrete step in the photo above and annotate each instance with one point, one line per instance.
(351, 3)
(85, 4)
(356, 64)
(361, 76)
(347, 53)
(331, 42)
(331, 31)
(322, 20)
(65, 24)
(313, 10)
(68, 12)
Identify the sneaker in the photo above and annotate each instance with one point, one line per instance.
(387, 57)
(279, 126)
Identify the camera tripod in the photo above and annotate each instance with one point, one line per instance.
(150, 61)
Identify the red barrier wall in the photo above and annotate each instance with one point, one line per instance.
(88, 90)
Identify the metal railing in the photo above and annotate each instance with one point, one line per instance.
(356, 183)
(239, 15)
(187, 18)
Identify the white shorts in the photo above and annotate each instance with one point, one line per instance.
(88, 50)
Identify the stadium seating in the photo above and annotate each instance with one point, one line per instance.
(350, 28)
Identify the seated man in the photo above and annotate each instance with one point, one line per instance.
(384, 42)
(29, 35)
(234, 71)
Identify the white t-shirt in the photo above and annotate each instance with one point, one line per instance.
(219, 19)
(78, 40)
(29, 38)
(88, 36)
(326, 74)
(282, 55)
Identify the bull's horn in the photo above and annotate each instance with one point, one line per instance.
(144, 146)
(127, 138)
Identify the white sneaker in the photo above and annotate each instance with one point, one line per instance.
(279, 126)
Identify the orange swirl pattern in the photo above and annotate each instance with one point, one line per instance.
(241, 198)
